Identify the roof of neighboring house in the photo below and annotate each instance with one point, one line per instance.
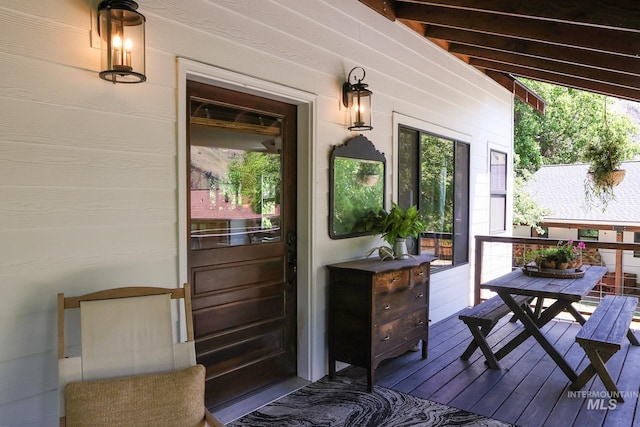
(561, 189)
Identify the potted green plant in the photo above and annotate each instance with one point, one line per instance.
(565, 255)
(397, 225)
(604, 156)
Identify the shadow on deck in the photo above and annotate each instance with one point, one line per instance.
(529, 390)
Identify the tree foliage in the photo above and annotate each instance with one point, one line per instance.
(256, 177)
(356, 202)
(572, 119)
(526, 210)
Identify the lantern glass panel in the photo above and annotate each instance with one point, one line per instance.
(122, 45)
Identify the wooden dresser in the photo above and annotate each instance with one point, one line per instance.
(377, 310)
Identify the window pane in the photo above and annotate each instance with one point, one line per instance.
(435, 171)
(436, 195)
(498, 209)
(498, 171)
(408, 167)
(498, 183)
(235, 176)
(461, 204)
(587, 234)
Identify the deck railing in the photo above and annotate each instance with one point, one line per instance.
(615, 285)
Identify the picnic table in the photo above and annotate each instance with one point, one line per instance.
(563, 291)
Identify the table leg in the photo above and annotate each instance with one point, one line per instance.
(532, 326)
(540, 319)
(576, 314)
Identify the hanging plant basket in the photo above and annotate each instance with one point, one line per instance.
(369, 180)
(615, 177)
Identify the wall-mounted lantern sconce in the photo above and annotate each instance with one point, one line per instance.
(121, 31)
(357, 98)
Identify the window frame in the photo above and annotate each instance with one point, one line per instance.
(462, 246)
(583, 237)
(497, 193)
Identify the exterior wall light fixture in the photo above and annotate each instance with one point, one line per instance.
(121, 31)
(357, 98)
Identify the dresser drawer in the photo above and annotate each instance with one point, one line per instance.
(391, 281)
(391, 305)
(399, 331)
(419, 275)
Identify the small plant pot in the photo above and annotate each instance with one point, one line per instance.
(400, 249)
(545, 263)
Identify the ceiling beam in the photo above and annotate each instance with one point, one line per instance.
(561, 33)
(519, 89)
(385, 7)
(602, 13)
(603, 60)
(560, 79)
(591, 45)
(579, 71)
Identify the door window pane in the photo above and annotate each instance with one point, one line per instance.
(235, 176)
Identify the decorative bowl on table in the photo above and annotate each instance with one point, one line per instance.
(532, 269)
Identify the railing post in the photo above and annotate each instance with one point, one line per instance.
(618, 289)
(478, 270)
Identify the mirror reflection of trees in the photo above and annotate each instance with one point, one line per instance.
(358, 190)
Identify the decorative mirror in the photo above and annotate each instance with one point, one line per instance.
(356, 186)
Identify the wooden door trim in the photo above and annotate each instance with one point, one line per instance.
(310, 357)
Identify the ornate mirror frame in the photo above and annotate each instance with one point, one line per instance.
(357, 185)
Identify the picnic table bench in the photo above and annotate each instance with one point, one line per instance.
(602, 336)
(481, 319)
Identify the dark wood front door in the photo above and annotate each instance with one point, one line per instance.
(242, 243)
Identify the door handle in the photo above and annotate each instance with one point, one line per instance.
(292, 269)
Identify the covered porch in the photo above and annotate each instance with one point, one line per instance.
(528, 390)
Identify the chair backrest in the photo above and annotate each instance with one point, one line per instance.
(125, 332)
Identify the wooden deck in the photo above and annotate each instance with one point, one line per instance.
(529, 390)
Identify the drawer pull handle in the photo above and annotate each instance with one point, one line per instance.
(420, 295)
(421, 273)
(387, 307)
(387, 338)
(420, 323)
(393, 280)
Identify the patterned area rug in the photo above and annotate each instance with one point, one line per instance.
(345, 402)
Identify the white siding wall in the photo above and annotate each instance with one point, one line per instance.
(88, 169)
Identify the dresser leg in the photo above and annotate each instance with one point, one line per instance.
(424, 349)
(370, 379)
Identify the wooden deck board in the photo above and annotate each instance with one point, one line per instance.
(433, 377)
(521, 383)
(628, 380)
(540, 404)
(531, 386)
(529, 390)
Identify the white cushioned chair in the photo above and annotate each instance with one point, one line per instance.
(133, 368)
